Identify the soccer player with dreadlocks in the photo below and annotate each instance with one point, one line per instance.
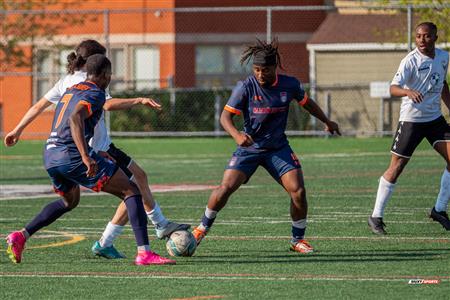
(263, 100)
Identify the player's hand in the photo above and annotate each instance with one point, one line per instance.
(151, 103)
(106, 155)
(11, 138)
(332, 127)
(91, 165)
(415, 96)
(243, 139)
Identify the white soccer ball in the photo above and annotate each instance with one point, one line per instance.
(181, 243)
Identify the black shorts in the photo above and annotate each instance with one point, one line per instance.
(410, 134)
(123, 161)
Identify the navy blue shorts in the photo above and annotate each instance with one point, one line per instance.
(276, 162)
(67, 177)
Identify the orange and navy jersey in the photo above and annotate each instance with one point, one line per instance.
(60, 148)
(265, 109)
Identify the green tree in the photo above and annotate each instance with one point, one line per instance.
(22, 21)
(435, 13)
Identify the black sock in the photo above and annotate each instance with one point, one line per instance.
(138, 219)
(49, 214)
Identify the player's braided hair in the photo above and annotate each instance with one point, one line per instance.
(77, 59)
(262, 48)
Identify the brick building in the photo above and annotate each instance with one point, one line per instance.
(154, 44)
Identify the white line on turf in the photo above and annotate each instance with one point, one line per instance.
(298, 277)
(87, 231)
(318, 219)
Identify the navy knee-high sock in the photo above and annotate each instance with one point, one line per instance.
(49, 214)
(207, 222)
(138, 219)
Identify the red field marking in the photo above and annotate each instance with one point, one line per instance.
(17, 191)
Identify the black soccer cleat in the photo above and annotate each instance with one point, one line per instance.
(377, 225)
(441, 217)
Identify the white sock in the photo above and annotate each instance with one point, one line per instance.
(299, 224)
(385, 189)
(109, 235)
(444, 193)
(298, 230)
(210, 214)
(156, 217)
(143, 248)
(26, 234)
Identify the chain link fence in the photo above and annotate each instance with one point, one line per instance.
(188, 59)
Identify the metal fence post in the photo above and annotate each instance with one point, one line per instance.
(269, 25)
(409, 16)
(172, 94)
(217, 101)
(381, 117)
(327, 106)
(106, 32)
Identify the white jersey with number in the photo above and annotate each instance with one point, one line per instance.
(426, 75)
(101, 140)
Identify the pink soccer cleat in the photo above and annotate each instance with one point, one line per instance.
(151, 258)
(16, 243)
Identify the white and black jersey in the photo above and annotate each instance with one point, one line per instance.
(426, 75)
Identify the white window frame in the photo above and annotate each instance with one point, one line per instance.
(55, 69)
(129, 80)
(227, 78)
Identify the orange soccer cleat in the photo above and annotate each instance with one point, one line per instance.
(199, 234)
(301, 246)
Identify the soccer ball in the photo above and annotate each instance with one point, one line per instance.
(181, 243)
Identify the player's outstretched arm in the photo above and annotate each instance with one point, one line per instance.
(13, 136)
(398, 91)
(76, 120)
(445, 94)
(121, 104)
(241, 138)
(315, 110)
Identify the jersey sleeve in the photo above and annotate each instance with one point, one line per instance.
(237, 99)
(54, 94)
(93, 101)
(403, 73)
(446, 66)
(107, 95)
(299, 93)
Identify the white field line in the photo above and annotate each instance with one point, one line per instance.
(364, 209)
(82, 231)
(428, 152)
(328, 219)
(248, 277)
(315, 195)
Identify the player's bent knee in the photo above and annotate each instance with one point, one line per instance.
(298, 193)
(71, 204)
(226, 189)
(132, 189)
(140, 175)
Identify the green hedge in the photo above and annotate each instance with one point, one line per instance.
(193, 111)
